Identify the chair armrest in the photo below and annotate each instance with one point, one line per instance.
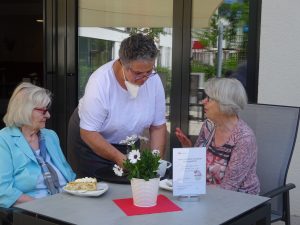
(6, 214)
(279, 190)
(5, 211)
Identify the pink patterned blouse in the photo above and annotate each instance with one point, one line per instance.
(233, 165)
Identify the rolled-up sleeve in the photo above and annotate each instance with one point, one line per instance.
(92, 106)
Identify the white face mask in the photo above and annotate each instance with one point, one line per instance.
(133, 89)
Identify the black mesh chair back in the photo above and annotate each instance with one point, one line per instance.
(275, 128)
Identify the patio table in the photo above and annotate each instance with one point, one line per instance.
(216, 207)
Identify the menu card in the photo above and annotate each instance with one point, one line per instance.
(189, 171)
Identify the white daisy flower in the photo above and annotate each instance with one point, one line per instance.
(134, 156)
(144, 138)
(129, 140)
(132, 139)
(155, 152)
(123, 142)
(130, 143)
(118, 170)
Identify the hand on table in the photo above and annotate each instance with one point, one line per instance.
(24, 198)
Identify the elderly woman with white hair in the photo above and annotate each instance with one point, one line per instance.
(231, 154)
(32, 164)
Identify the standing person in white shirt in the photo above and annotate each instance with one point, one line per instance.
(122, 98)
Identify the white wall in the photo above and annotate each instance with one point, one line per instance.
(279, 69)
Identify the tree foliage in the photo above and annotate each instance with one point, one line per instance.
(237, 15)
(152, 32)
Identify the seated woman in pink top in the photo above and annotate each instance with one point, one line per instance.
(231, 145)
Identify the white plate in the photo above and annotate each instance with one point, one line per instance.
(166, 184)
(101, 188)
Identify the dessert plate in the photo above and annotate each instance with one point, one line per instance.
(166, 184)
(101, 188)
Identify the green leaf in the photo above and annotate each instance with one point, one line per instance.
(145, 168)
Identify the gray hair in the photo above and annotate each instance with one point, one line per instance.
(137, 47)
(24, 99)
(228, 92)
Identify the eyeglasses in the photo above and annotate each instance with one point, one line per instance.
(143, 75)
(205, 96)
(42, 110)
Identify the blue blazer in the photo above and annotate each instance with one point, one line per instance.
(19, 169)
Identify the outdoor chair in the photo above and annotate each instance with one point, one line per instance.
(5, 216)
(73, 134)
(275, 128)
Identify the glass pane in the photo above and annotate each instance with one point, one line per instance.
(218, 50)
(92, 54)
(104, 24)
(21, 47)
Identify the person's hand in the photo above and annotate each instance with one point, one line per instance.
(121, 160)
(182, 138)
(24, 198)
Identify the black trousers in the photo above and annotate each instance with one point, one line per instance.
(83, 160)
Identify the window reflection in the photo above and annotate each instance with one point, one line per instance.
(103, 25)
(216, 50)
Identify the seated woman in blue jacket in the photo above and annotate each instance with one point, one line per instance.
(32, 164)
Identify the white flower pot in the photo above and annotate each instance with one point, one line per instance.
(144, 193)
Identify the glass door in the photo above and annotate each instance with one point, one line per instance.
(218, 49)
(184, 68)
(21, 47)
(104, 24)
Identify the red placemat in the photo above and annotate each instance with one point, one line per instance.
(163, 205)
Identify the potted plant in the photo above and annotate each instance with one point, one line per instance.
(141, 169)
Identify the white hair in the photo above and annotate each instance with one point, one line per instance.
(24, 99)
(228, 92)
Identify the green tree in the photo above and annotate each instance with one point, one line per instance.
(152, 32)
(237, 15)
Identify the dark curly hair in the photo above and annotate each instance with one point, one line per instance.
(137, 47)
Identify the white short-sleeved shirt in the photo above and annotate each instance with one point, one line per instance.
(109, 109)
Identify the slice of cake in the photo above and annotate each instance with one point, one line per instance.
(83, 184)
